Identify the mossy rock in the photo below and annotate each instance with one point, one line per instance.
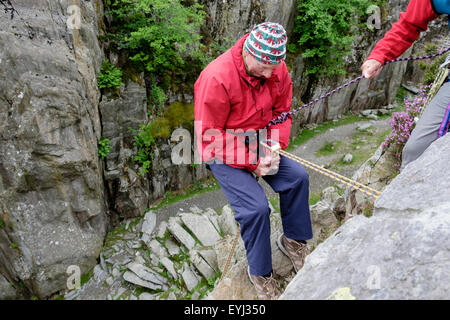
(179, 113)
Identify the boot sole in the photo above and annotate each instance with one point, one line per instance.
(281, 247)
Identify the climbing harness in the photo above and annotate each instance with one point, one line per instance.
(275, 147)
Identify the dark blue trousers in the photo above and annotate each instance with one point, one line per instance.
(249, 201)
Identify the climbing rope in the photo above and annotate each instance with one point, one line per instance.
(283, 117)
(333, 175)
(274, 147)
(233, 247)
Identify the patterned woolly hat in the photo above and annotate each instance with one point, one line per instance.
(267, 43)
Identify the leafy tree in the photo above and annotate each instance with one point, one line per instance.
(324, 32)
(162, 39)
(159, 36)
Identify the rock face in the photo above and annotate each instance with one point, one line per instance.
(128, 191)
(172, 263)
(232, 19)
(56, 196)
(324, 216)
(401, 252)
(374, 173)
(51, 188)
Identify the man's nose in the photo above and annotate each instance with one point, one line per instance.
(267, 73)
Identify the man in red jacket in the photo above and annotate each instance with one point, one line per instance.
(435, 120)
(236, 96)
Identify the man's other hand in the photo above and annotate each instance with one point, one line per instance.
(268, 165)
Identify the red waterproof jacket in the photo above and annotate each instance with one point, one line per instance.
(227, 98)
(404, 32)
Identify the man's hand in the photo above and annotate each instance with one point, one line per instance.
(268, 165)
(371, 68)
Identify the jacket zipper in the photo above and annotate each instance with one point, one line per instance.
(254, 99)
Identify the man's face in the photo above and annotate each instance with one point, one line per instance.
(257, 68)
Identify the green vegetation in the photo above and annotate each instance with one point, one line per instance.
(367, 209)
(204, 287)
(339, 190)
(110, 77)
(177, 115)
(159, 37)
(325, 30)
(180, 258)
(401, 95)
(314, 198)
(114, 235)
(217, 47)
(431, 67)
(328, 148)
(275, 202)
(199, 187)
(104, 147)
(85, 277)
(144, 141)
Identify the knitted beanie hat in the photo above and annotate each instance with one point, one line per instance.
(267, 43)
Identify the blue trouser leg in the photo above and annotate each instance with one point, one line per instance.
(292, 184)
(251, 207)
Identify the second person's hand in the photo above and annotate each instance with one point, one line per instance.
(371, 68)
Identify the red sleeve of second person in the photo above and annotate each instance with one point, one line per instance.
(405, 31)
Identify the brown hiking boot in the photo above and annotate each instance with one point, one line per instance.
(266, 288)
(296, 251)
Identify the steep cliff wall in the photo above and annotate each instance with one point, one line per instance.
(51, 188)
